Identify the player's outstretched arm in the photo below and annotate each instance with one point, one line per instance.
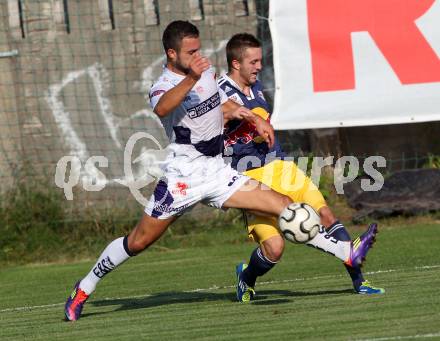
(234, 111)
(173, 97)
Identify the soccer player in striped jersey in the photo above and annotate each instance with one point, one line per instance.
(251, 155)
(193, 109)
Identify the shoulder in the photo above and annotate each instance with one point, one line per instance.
(222, 81)
(208, 79)
(210, 73)
(162, 84)
(230, 91)
(225, 84)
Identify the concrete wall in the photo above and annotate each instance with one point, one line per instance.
(79, 82)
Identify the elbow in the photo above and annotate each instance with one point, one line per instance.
(159, 111)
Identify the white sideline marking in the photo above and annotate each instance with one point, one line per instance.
(217, 287)
(418, 336)
(31, 307)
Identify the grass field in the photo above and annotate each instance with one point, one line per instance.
(188, 294)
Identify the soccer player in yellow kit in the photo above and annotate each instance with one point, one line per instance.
(252, 156)
(193, 110)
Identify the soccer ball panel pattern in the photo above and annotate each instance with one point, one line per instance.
(299, 223)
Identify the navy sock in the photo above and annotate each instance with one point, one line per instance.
(258, 266)
(338, 231)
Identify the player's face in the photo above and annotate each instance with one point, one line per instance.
(251, 65)
(189, 47)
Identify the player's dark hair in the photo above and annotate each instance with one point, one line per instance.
(175, 32)
(238, 44)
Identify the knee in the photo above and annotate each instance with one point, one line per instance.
(273, 248)
(137, 246)
(146, 232)
(138, 241)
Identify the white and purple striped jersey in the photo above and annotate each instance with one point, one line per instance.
(198, 120)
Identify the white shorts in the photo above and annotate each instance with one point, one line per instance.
(191, 178)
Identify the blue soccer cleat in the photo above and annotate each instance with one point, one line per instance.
(367, 289)
(75, 303)
(361, 245)
(245, 293)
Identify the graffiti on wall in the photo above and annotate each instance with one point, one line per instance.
(84, 167)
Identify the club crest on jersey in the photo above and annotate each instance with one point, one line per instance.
(261, 95)
(180, 188)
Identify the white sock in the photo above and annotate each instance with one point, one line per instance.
(113, 255)
(326, 243)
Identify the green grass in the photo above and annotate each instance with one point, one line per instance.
(188, 294)
(36, 223)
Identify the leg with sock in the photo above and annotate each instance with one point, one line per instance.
(146, 232)
(338, 231)
(248, 274)
(351, 253)
(113, 255)
(264, 231)
(257, 267)
(324, 242)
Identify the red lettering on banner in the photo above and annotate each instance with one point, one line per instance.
(391, 24)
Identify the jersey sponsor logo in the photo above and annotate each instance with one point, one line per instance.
(180, 189)
(244, 133)
(157, 93)
(236, 98)
(103, 267)
(165, 208)
(205, 106)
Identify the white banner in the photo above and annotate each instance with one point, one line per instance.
(345, 63)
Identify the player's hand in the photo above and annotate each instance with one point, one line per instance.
(265, 130)
(198, 65)
(236, 111)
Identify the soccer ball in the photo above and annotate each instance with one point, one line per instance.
(299, 223)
